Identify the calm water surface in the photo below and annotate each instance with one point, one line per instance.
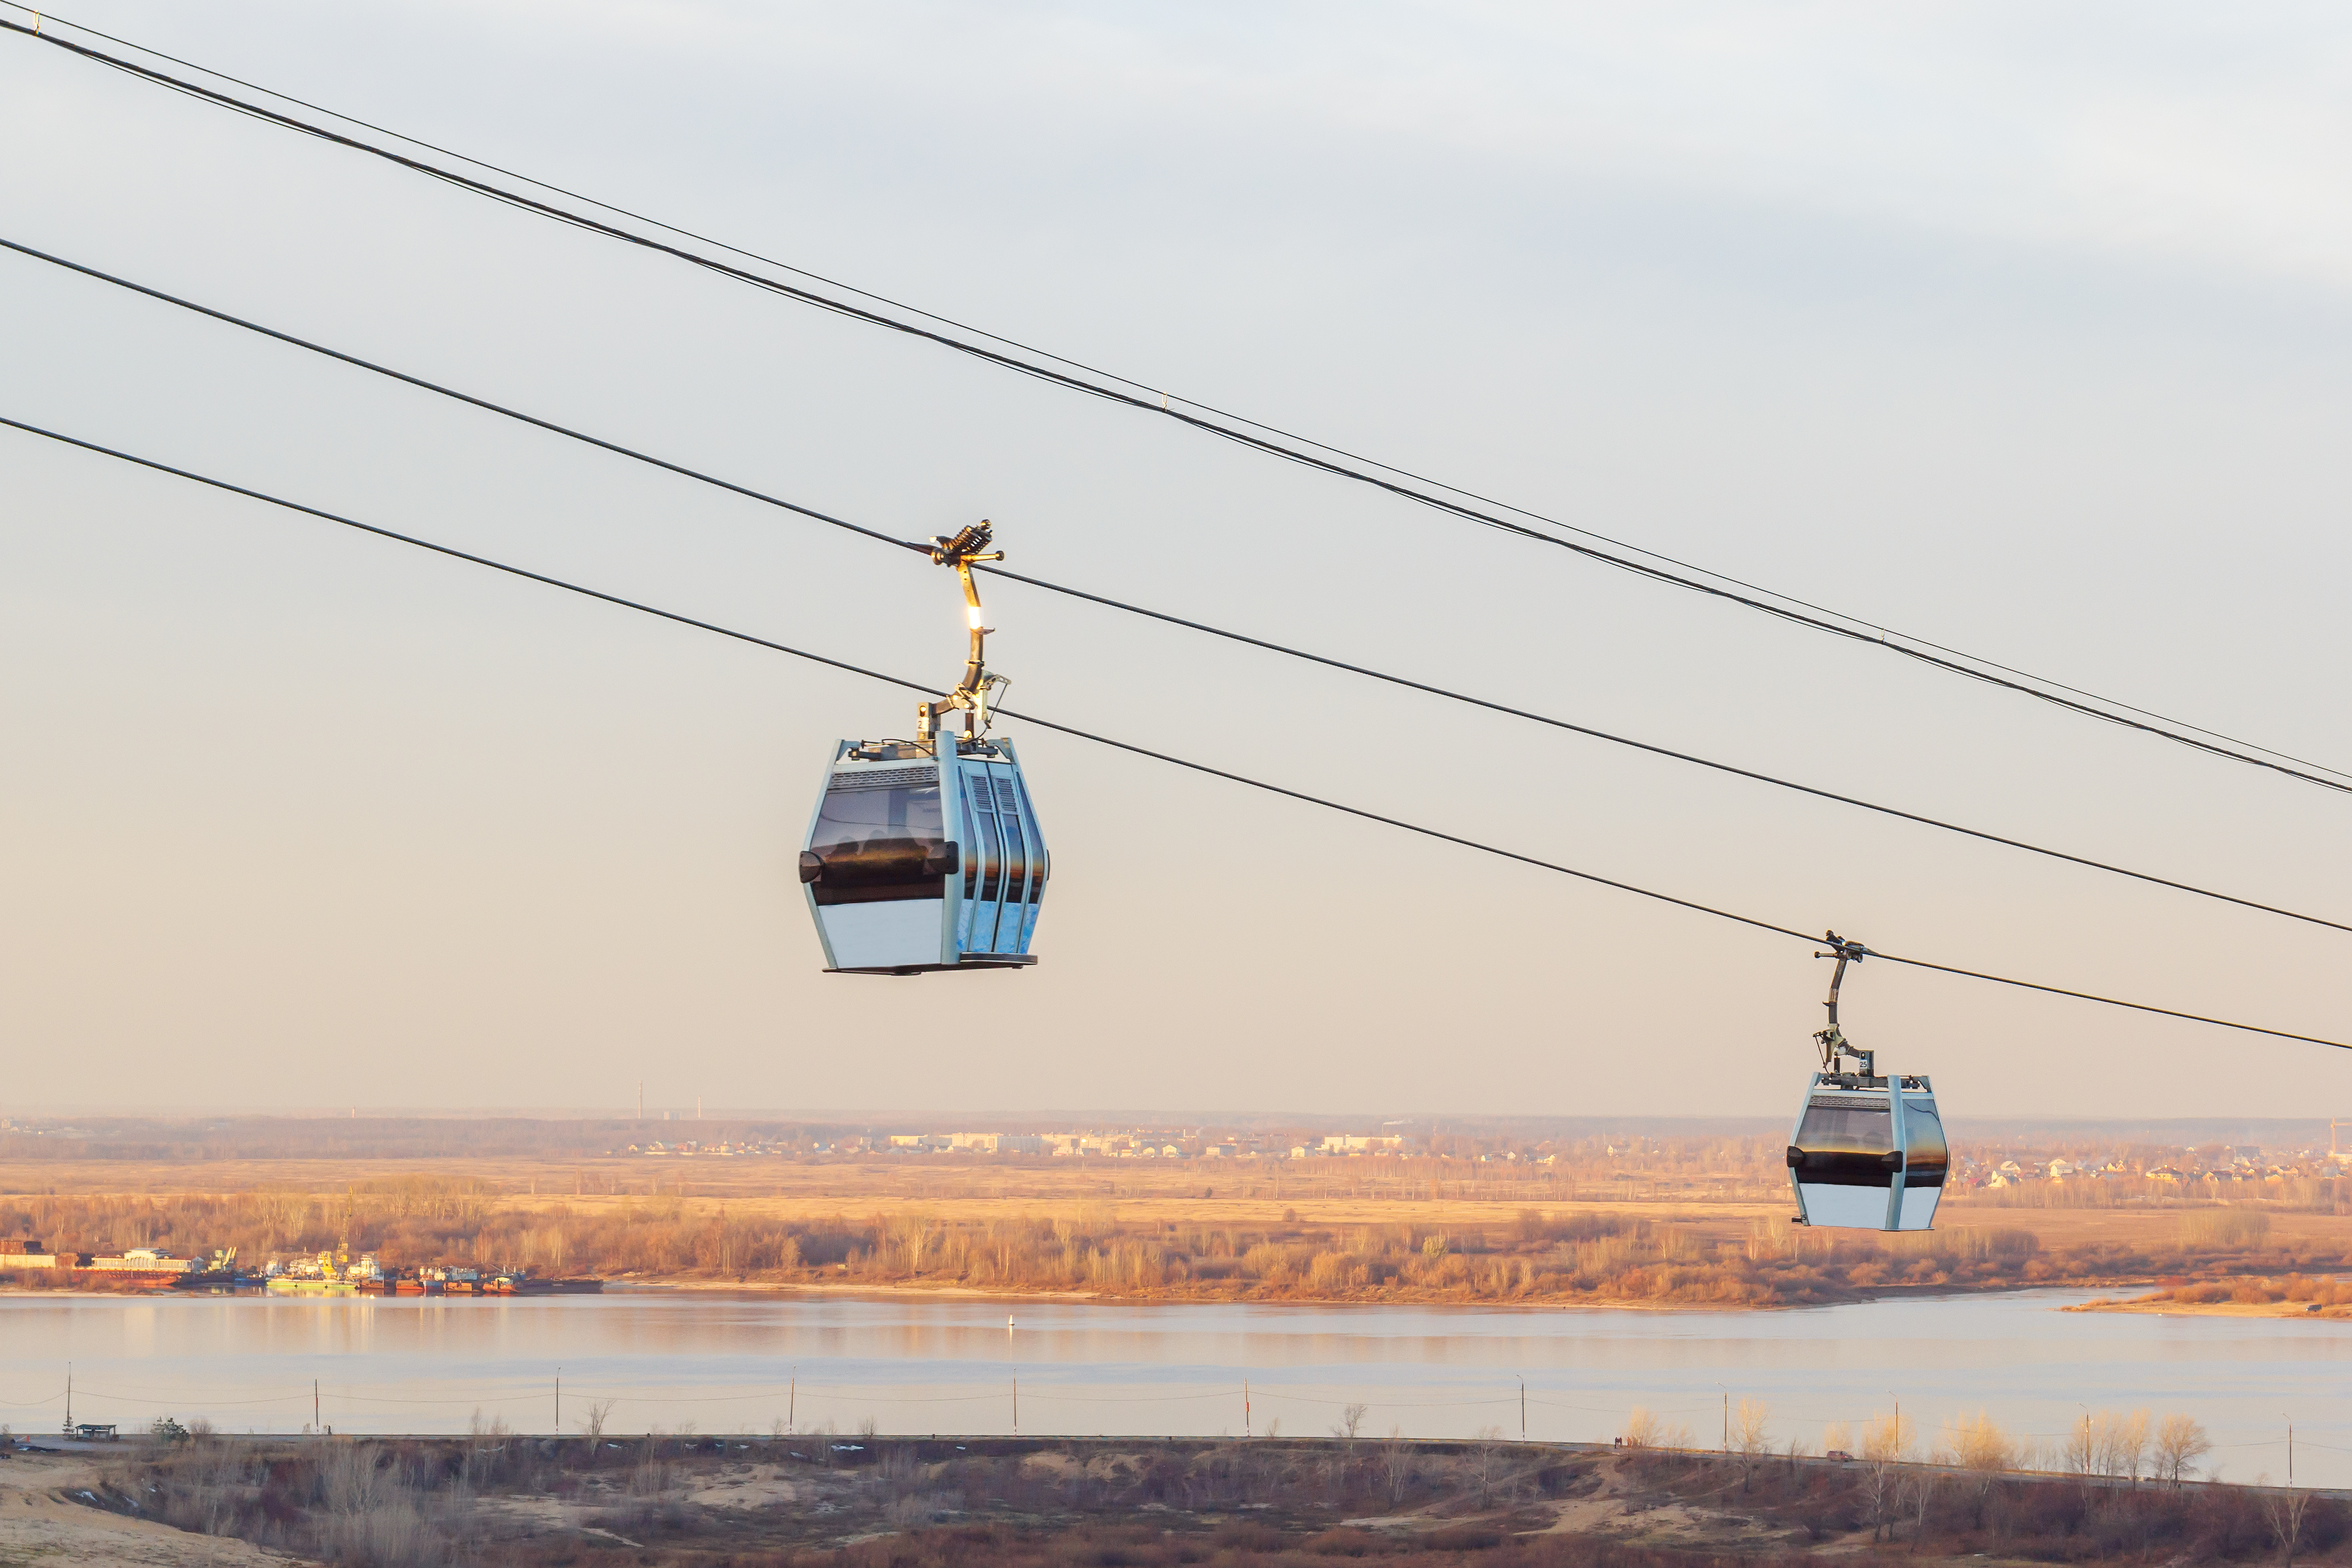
(742, 1362)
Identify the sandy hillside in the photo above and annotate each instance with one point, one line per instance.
(40, 1524)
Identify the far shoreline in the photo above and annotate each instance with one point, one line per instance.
(624, 1285)
(2162, 1306)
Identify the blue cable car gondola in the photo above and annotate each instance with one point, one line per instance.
(1868, 1151)
(925, 854)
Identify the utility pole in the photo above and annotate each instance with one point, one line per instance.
(1726, 1417)
(70, 1399)
(1017, 1402)
(1246, 1408)
(317, 1425)
(2290, 1450)
(1523, 1407)
(559, 1402)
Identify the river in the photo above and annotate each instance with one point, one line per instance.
(742, 1362)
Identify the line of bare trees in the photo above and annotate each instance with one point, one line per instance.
(1597, 1257)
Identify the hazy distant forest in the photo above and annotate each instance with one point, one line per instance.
(1526, 1254)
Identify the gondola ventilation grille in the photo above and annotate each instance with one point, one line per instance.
(884, 777)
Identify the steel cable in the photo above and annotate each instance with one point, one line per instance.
(765, 498)
(1208, 421)
(1127, 746)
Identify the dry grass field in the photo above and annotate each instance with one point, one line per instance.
(808, 1501)
(1247, 1195)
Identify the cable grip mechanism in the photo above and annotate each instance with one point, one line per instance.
(1832, 1040)
(974, 693)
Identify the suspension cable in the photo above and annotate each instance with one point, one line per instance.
(1128, 746)
(1406, 683)
(1268, 439)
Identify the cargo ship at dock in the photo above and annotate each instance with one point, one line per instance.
(336, 1274)
(326, 1275)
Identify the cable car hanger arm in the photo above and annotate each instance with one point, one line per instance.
(1832, 1040)
(971, 693)
(1073, 731)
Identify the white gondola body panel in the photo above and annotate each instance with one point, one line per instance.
(918, 861)
(1868, 1153)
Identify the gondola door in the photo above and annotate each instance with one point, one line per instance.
(1004, 872)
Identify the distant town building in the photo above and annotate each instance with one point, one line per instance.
(999, 1142)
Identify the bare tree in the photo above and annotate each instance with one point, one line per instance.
(1749, 1439)
(1396, 1464)
(1917, 1492)
(2080, 1453)
(2119, 1444)
(2282, 1511)
(1643, 1429)
(598, 1414)
(1350, 1420)
(2180, 1442)
(1984, 1451)
(1877, 1489)
(1885, 1442)
(1488, 1461)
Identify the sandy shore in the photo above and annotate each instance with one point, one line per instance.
(2165, 1307)
(40, 1521)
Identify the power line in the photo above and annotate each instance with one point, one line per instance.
(1269, 439)
(765, 498)
(1127, 746)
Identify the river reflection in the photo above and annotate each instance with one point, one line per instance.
(743, 1363)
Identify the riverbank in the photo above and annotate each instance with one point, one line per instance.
(2259, 1295)
(47, 1514)
(1244, 1292)
(1015, 1296)
(980, 1501)
(2163, 1305)
(882, 1226)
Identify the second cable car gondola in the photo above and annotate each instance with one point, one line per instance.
(1868, 1151)
(924, 855)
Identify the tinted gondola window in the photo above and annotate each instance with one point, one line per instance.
(1846, 1126)
(1928, 1156)
(1843, 1143)
(879, 838)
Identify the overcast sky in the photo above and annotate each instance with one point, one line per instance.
(2020, 327)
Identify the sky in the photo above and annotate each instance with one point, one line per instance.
(2019, 328)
